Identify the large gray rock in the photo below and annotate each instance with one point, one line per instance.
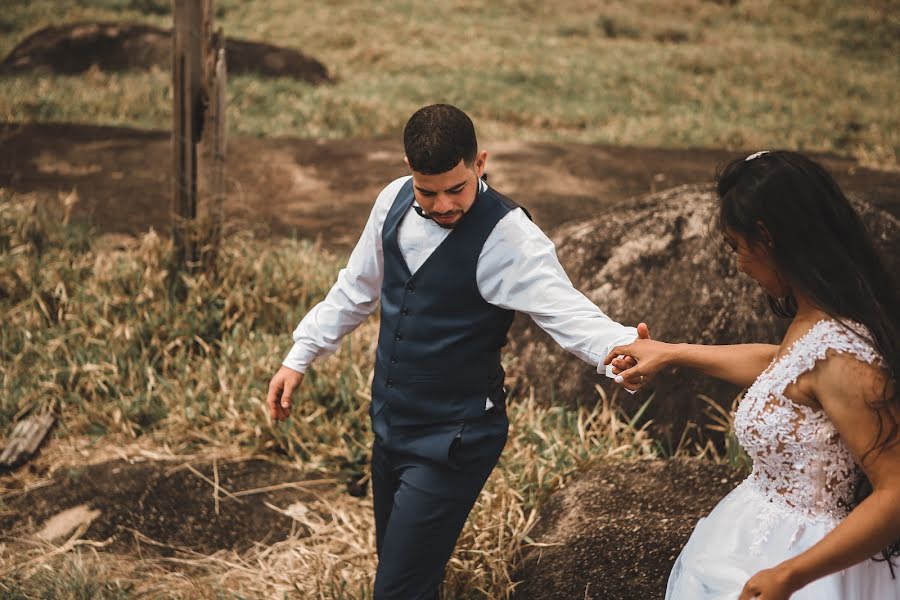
(660, 259)
(614, 532)
(74, 48)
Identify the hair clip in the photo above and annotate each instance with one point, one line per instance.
(756, 155)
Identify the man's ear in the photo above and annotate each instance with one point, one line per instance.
(480, 163)
(406, 162)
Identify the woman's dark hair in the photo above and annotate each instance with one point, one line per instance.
(437, 137)
(822, 249)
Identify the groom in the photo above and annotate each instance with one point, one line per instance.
(451, 260)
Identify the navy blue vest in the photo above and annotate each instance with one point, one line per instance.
(438, 356)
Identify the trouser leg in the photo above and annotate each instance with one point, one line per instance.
(384, 486)
(430, 502)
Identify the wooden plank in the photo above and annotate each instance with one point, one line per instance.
(25, 440)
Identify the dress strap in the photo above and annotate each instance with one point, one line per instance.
(814, 345)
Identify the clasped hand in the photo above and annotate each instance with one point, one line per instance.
(636, 363)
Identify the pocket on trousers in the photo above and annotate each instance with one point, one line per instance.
(478, 442)
(453, 452)
(432, 442)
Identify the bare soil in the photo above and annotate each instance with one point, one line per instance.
(325, 188)
(163, 501)
(612, 533)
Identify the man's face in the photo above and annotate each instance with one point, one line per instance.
(447, 196)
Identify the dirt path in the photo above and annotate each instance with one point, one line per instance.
(326, 188)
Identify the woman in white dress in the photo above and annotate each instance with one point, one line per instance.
(819, 516)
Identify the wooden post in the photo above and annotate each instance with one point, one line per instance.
(212, 156)
(198, 85)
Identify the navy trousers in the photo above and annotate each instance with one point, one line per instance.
(425, 481)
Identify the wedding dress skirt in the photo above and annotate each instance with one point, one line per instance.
(745, 533)
(801, 487)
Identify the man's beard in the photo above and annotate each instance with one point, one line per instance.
(447, 225)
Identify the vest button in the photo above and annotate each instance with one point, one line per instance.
(390, 383)
(410, 287)
(393, 360)
(398, 337)
(404, 312)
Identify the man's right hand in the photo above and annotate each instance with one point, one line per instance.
(280, 389)
(623, 363)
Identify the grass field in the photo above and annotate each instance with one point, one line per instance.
(98, 335)
(802, 74)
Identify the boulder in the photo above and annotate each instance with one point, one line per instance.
(659, 259)
(74, 48)
(614, 532)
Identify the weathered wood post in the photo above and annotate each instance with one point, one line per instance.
(198, 85)
(212, 155)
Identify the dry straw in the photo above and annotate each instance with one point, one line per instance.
(136, 364)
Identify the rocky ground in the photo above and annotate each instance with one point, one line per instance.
(614, 532)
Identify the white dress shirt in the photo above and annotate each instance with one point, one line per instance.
(517, 270)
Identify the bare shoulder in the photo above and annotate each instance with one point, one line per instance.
(857, 394)
(848, 367)
(848, 378)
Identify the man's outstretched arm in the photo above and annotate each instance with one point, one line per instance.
(518, 269)
(352, 298)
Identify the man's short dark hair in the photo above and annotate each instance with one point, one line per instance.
(437, 137)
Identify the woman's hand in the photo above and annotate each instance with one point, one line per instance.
(643, 358)
(769, 584)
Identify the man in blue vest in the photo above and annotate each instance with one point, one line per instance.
(451, 260)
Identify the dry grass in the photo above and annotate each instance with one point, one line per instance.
(136, 365)
(331, 554)
(811, 75)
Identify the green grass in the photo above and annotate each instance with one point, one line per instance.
(808, 75)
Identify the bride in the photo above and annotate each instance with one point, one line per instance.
(819, 516)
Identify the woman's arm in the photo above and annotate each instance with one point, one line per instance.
(848, 390)
(740, 364)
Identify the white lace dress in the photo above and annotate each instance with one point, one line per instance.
(802, 482)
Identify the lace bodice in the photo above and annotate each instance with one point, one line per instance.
(799, 459)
